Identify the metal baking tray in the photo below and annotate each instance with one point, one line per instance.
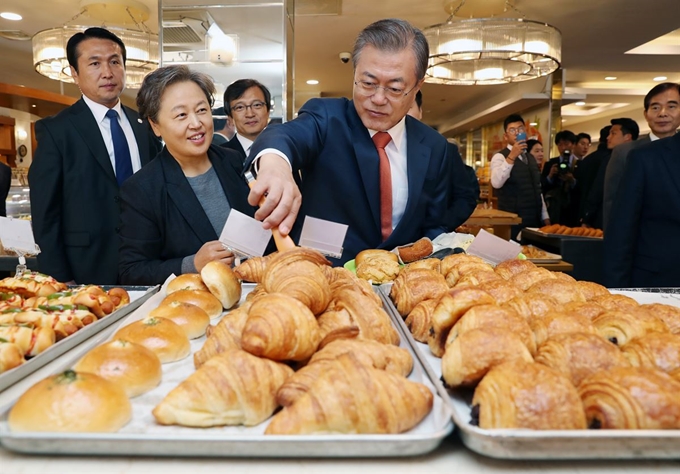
(550, 444)
(143, 437)
(138, 294)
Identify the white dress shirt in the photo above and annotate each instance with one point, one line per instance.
(99, 112)
(246, 143)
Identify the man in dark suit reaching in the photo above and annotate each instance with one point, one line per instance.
(84, 154)
(364, 162)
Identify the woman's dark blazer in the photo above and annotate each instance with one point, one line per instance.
(162, 219)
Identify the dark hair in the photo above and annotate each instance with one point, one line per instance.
(659, 89)
(100, 33)
(512, 119)
(565, 135)
(532, 142)
(156, 82)
(219, 123)
(583, 135)
(604, 133)
(419, 99)
(393, 35)
(237, 88)
(628, 127)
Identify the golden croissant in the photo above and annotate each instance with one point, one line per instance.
(532, 306)
(527, 279)
(621, 327)
(341, 279)
(527, 395)
(223, 337)
(252, 270)
(280, 327)
(631, 398)
(451, 261)
(555, 323)
(616, 302)
(233, 388)
(563, 291)
(513, 267)
(410, 288)
(374, 354)
(301, 279)
(501, 290)
(667, 313)
(656, 350)
(350, 397)
(419, 320)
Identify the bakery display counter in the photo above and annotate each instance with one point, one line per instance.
(500, 221)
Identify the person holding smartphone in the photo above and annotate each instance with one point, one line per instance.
(516, 178)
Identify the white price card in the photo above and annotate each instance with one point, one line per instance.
(325, 236)
(17, 235)
(244, 235)
(493, 249)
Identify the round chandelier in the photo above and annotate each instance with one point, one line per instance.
(491, 51)
(141, 46)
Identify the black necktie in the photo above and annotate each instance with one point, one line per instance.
(121, 149)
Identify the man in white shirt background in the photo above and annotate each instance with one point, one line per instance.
(248, 104)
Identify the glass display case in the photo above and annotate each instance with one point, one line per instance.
(19, 202)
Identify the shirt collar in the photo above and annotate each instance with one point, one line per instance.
(99, 110)
(653, 137)
(246, 143)
(397, 133)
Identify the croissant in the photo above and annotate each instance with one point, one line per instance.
(616, 302)
(412, 287)
(631, 398)
(476, 277)
(527, 279)
(302, 279)
(591, 290)
(620, 327)
(449, 310)
(471, 355)
(532, 306)
(256, 293)
(588, 309)
(381, 356)
(493, 316)
(342, 279)
(667, 313)
(675, 374)
(350, 397)
(522, 394)
(426, 263)
(419, 321)
(280, 327)
(559, 323)
(233, 388)
(513, 267)
(464, 268)
(655, 350)
(252, 270)
(563, 276)
(501, 290)
(563, 291)
(223, 337)
(578, 355)
(356, 315)
(451, 261)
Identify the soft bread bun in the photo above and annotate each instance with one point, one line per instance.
(374, 253)
(192, 319)
(71, 402)
(130, 366)
(419, 249)
(165, 338)
(203, 299)
(188, 281)
(222, 283)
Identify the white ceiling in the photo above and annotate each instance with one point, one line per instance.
(596, 34)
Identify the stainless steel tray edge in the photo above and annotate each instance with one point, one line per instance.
(544, 445)
(11, 377)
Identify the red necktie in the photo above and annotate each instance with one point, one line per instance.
(381, 139)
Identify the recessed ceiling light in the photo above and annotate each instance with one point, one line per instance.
(580, 102)
(660, 78)
(610, 78)
(11, 16)
(312, 82)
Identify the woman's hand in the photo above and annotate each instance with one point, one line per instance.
(210, 252)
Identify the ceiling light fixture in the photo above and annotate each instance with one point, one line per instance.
(312, 82)
(610, 78)
(660, 78)
(11, 16)
(493, 50)
(142, 51)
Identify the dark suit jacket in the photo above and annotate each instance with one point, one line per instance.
(75, 203)
(235, 145)
(340, 165)
(463, 193)
(162, 219)
(614, 174)
(587, 174)
(5, 184)
(641, 242)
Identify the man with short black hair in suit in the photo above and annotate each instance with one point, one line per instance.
(559, 182)
(365, 163)
(248, 103)
(84, 154)
(662, 113)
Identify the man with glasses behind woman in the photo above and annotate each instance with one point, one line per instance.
(248, 103)
(517, 179)
(365, 163)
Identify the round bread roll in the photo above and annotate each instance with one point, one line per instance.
(203, 299)
(165, 338)
(130, 366)
(187, 281)
(222, 283)
(192, 319)
(71, 402)
(374, 253)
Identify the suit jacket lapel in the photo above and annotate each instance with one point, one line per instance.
(185, 200)
(141, 135)
(235, 191)
(368, 162)
(671, 158)
(84, 122)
